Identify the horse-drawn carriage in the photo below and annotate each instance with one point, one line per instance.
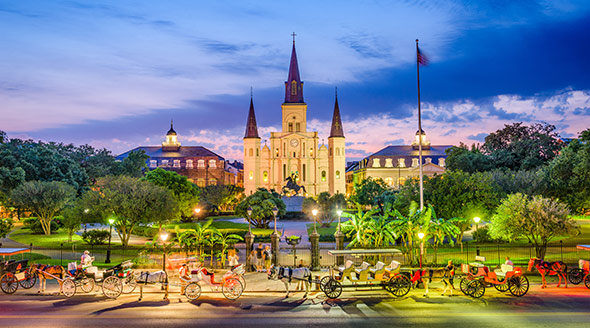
(582, 272)
(388, 277)
(114, 280)
(478, 277)
(232, 283)
(14, 273)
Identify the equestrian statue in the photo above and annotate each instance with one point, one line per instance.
(292, 185)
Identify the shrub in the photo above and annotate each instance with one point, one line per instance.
(145, 231)
(5, 227)
(35, 226)
(95, 237)
(482, 235)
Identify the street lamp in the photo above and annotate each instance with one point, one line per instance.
(476, 220)
(275, 211)
(249, 212)
(339, 212)
(315, 213)
(111, 221)
(164, 237)
(197, 210)
(421, 237)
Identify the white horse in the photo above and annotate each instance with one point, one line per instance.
(287, 275)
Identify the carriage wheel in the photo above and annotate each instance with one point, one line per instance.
(87, 285)
(576, 276)
(192, 291)
(323, 282)
(399, 285)
(519, 285)
(112, 287)
(463, 285)
(30, 280)
(242, 281)
(476, 288)
(587, 281)
(503, 287)
(8, 283)
(129, 284)
(333, 289)
(68, 287)
(232, 289)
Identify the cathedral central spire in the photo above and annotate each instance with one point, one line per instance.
(336, 130)
(293, 85)
(251, 127)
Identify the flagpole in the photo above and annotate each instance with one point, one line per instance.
(419, 129)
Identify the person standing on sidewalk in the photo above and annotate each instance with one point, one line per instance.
(267, 257)
(259, 258)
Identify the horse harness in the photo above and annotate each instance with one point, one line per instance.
(288, 271)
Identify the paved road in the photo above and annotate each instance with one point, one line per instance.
(540, 308)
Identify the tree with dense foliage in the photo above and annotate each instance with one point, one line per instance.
(73, 216)
(356, 227)
(5, 226)
(221, 197)
(133, 165)
(367, 192)
(407, 227)
(327, 205)
(537, 219)
(131, 201)
(262, 203)
(568, 175)
(44, 199)
(460, 158)
(185, 192)
(440, 229)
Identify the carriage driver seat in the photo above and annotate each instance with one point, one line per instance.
(346, 269)
(504, 269)
(363, 272)
(393, 268)
(378, 270)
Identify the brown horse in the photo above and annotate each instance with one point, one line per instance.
(45, 272)
(549, 268)
(442, 274)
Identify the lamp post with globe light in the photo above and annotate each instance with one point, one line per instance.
(163, 238)
(274, 238)
(111, 221)
(314, 212)
(315, 243)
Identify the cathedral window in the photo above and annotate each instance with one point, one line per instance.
(294, 155)
(304, 172)
(310, 152)
(189, 163)
(323, 175)
(277, 152)
(337, 174)
(290, 127)
(176, 163)
(201, 164)
(284, 171)
(212, 163)
(257, 152)
(298, 127)
(293, 88)
(303, 153)
(331, 151)
(251, 175)
(265, 176)
(153, 163)
(337, 151)
(251, 152)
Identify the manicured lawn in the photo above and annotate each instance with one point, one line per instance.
(323, 231)
(25, 236)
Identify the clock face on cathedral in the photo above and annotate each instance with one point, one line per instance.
(294, 142)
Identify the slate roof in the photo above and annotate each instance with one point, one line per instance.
(336, 130)
(293, 76)
(184, 151)
(251, 127)
(393, 151)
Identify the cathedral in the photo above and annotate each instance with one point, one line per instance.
(295, 153)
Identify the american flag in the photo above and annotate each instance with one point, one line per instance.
(422, 59)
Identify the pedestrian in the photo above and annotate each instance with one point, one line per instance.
(252, 260)
(259, 258)
(184, 277)
(300, 283)
(267, 257)
(232, 257)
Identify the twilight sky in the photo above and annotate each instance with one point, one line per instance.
(113, 73)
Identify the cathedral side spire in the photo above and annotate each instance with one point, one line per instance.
(336, 130)
(293, 85)
(251, 127)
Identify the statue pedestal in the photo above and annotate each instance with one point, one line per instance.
(294, 203)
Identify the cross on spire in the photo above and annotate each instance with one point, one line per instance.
(293, 35)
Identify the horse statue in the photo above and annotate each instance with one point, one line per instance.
(292, 185)
(440, 274)
(287, 275)
(549, 268)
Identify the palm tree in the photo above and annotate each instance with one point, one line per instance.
(226, 241)
(440, 229)
(357, 225)
(408, 227)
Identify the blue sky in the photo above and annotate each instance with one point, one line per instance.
(113, 73)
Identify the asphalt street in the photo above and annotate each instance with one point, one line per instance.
(550, 307)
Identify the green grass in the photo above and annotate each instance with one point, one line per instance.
(25, 236)
(323, 231)
(223, 226)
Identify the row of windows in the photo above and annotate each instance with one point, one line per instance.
(401, 162)
(189, 163)
(295, 154)
(265, 174)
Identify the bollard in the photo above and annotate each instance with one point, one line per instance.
(315, 250)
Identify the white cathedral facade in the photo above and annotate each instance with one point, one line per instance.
(295, 151)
